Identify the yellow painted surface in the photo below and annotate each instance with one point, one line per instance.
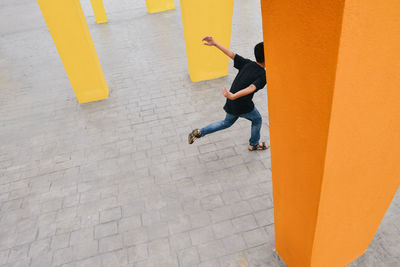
(154, 6)
(334, 109)
(99, 11)
(202, 18)
(70, 33)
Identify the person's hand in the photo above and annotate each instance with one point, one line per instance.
(227, 94)
(208, 40)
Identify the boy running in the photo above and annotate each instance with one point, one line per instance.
(239, 103)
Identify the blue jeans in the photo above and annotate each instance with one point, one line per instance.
(253, 116)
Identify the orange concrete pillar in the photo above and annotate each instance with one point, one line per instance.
(334, 108)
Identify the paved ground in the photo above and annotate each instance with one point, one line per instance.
(114, 183)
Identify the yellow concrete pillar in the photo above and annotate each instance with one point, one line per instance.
(154, 6)
(334, 109)
(67, 26)
(99, 11)
(199, 19)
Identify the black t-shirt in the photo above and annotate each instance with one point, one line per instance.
(249, 73)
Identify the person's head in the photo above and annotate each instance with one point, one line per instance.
(259, 52)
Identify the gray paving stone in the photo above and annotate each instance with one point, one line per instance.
(264, 217)
(66, 226)
(20, 263)
(192, 206)
(223, 229)
(201, 235)
(60, 241)
(82, 235)
(221, 214)
(66, 214)
(85, 249)
(39, 247)
(260, 203)
(180, 241)
(200, 219)
(133, 208)
(262, 255)
(211, 250)
(11, 205)
(52, 205)
(18, 253)
(160, 260)
(188, 257)
(135, 236)
(93, 261)
(210, 263)
(4, 256)
(255, 237)
(209, 189)
(159, 247)
(207, 148)
(63, 256)
(110, 215)
(26, 225)
(244, 223)
(180, 223)
(212, 202)
(157, 231)
(106, 229)
(43, 259)
(236, 259)
(230, 197)
(151, 217)
(138, 253)
(128, 223)
(241, 208)
(234, 243)
(171, 212)
(26, 237)
(110, 243)
(115, 258)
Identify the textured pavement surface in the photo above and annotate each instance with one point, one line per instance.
(114, 183)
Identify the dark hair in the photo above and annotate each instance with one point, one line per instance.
(259, 52)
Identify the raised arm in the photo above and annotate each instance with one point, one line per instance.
(243, 92)
(208, 40)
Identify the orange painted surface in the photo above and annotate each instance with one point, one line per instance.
(334, 104)
(301, 46)
(362, 170)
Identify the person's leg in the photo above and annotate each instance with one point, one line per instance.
(219, 125)
(256, 122)
(216, 126)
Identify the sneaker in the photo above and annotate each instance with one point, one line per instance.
(194, 135)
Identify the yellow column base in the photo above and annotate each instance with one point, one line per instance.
(99, 11)
(202, 18)
(155, 6)
(67, 26)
